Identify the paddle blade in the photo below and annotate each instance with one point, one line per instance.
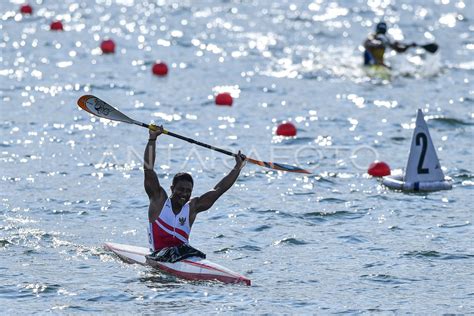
(278, 166)
(99, 108)
(432, 48)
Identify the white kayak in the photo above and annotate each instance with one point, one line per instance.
(193, 268)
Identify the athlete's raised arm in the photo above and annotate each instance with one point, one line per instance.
(205, 201)
(152, 184)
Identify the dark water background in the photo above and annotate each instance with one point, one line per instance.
(332, 242)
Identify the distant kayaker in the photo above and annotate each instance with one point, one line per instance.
(171, 218)
(377, 42)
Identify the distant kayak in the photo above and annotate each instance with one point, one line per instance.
(378, 72)
(194, 268)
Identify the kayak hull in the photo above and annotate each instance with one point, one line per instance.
(194, 268)
(378, 72)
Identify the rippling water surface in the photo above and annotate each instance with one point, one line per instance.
(332, 242)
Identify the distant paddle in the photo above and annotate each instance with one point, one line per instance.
(431, 48)
(99, 108)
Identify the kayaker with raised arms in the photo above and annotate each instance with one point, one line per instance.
(376, 43)
(171, 218)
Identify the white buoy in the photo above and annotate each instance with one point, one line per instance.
(423, 171)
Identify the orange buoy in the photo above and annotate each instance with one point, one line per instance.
(160, 69)
(286, 129)
(224, 99)
(378, 169)
(56, 26)
(108, 47)
(26, 9)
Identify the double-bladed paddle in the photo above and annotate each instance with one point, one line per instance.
(99, 108)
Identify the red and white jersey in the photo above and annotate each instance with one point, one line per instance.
(169, 230)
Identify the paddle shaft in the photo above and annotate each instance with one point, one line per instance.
(189, 140)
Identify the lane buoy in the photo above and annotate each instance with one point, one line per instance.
(286, 129)
(56, 26)
(160, 69)
(423, 171)
(26, 9)
(378, 169)
(224, 99)
(108, 46)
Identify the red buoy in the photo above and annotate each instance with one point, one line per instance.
(26, 9)
(56, 26)
(378, 169)
(224, 99)
(107, 47)
(286, 129)
(160, 69)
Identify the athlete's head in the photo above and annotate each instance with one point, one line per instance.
(182, 188)
(381, 28)
(182, 176)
